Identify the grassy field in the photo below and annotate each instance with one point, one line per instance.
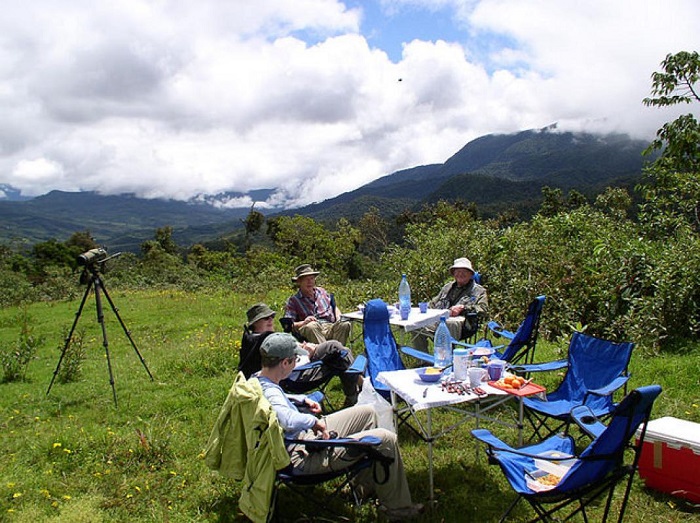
(71, 456)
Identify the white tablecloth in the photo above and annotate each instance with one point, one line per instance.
(422, 395)
(416, 319)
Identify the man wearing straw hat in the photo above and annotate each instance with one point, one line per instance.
(312, 310)
(464, 298)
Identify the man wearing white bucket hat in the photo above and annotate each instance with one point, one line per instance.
(464, 298)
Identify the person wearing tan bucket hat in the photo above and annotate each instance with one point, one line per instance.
(336, 358)
(312, 311)
(464, 298)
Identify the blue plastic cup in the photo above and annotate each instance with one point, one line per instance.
(423, 306)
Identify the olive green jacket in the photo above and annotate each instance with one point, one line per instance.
(247, 443)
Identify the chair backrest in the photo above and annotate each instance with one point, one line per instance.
(593, 363)
(381, 348)
(605, 453)
(250, 361)
(522, 347)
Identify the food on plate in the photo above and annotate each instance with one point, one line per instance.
(511, 381)
(432, 370)
(549, 480)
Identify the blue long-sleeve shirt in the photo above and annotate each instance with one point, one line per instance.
(292, 421)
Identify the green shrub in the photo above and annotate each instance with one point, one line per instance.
(73, 353)
(16, 358)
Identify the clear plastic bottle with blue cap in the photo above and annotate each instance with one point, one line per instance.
(404, 297)
(442, 345)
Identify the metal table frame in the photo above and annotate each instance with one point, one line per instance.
(410, 396)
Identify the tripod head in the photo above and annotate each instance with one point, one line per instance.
(93, 262)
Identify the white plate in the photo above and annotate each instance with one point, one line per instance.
(483, 351)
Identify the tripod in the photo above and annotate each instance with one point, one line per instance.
(96, 282)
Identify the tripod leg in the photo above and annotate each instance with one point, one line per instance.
(70, 336)
(105, 343)
(126, 331)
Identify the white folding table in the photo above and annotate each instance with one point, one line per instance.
(410, 396)
(414, 325)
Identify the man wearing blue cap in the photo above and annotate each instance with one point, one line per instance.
(278, 354)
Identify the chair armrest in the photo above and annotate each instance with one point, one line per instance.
(609, 389)
(418, 354)
(367, 444)
(496, 445)
(365, 441)
(306, 366)
(498, 330)
(475, 345)
(359, 366)
(541, 367)
(587, 421)
(492, 441)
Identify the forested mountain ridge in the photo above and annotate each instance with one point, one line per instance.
(496, 172)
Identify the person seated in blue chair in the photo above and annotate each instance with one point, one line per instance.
(312, 311)
(278, 354)
(332, 353)
(466, 300)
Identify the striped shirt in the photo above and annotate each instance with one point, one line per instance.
(299, 307)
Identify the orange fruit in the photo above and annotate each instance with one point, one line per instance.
(509, 379)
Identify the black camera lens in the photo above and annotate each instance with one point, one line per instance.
(92, 256)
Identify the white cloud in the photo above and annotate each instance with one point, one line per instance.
(176, 99)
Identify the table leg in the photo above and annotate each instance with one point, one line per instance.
(429, 426)
(521, 408)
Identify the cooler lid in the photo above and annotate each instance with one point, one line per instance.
(676, 432)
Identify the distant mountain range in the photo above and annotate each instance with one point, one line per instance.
(496, 172)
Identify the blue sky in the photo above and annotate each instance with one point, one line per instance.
(178, 99)
(389, 29)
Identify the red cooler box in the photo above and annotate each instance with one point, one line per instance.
(671, 457)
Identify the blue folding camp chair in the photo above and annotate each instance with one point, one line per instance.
(522, 342)
(521, 347)
(587, 475)
(364, 449)
(596, 368)
(381, 348)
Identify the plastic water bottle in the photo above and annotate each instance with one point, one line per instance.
(442, 345)
(404, 297)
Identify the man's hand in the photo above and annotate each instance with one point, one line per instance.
(456, 310)
(310, 348)
(313, 406)
(320, 429)
(305, 321)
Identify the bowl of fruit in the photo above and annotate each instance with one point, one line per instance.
(430, 374)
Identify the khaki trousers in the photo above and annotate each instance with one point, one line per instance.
(318, 332)
(355, 422)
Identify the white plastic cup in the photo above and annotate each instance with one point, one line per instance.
(476, 376)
